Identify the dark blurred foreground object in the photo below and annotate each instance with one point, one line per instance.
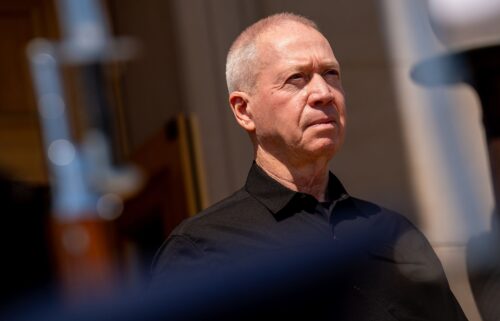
(308, 283)
(480, 68)
(26, 264)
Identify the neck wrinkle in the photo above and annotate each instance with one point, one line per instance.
(310, 178)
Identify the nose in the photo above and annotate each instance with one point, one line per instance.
(320, 93)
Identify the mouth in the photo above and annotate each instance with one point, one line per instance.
(323, 122)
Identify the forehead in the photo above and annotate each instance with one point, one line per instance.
(295, 42)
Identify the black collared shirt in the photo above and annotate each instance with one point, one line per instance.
(399, 278)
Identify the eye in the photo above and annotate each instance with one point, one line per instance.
(298, 79)
(296, 76)
(332, 73)
(332, 76)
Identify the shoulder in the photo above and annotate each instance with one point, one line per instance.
(208, 235)
(405, 243)
(221, 225)
(231, 209)
(401, 255)
(390, 228)
(379, 217)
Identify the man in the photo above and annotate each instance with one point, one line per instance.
(285, 90)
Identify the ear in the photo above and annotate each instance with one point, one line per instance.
(239, 102)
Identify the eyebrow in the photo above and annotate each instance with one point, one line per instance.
(331, 64)
(306, 66)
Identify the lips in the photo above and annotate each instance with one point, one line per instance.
(323, 121)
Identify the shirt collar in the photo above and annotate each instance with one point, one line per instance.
(275, 196)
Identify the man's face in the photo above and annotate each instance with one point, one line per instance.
(297, 105)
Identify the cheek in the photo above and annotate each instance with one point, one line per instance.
(339, 101)
(279, 114)
(283, 113)
(342, 116)
(341, 107)
(297, 109)
(342, 124)
(266, 117)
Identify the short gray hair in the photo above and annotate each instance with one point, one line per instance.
(242, 63)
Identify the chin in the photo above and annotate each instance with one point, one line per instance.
(324, 149)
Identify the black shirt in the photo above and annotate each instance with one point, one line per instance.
(391, 271)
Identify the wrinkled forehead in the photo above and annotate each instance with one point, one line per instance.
(289, 37)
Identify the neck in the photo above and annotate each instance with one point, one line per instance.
(309, 177)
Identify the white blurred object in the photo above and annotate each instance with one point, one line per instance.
(463, 24)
